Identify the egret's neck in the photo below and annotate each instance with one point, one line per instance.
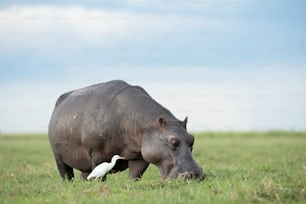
(113, 161)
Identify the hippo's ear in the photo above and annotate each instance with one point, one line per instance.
(184, 122)
(162, 122)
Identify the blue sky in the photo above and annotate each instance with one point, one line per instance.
(227, 64)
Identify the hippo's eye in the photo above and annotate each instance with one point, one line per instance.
(173, 142)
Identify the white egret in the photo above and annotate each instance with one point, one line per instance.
(103, 168)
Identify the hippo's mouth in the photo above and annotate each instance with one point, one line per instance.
(175, 172)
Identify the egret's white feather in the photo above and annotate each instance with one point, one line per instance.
(103, 168)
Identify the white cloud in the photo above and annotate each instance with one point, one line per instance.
(32, 26)
(31, 23)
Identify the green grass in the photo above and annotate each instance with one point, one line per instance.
(242, 168)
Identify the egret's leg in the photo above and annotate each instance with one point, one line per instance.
(65, 171)
(101, 179)
(136, 168)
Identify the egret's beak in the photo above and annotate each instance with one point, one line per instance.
(121, 158)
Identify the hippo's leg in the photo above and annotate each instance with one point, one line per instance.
(136, 168)
(96, 158)
(65, 171)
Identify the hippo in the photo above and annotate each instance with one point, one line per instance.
(90, 125)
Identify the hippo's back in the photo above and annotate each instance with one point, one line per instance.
(80, 111)
(106, 91)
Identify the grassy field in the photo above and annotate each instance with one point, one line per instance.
(242, 168)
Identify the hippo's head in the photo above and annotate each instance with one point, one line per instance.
(169, 147)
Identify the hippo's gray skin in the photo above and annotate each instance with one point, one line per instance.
(90, 125)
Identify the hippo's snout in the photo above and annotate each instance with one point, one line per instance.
(193, 175)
